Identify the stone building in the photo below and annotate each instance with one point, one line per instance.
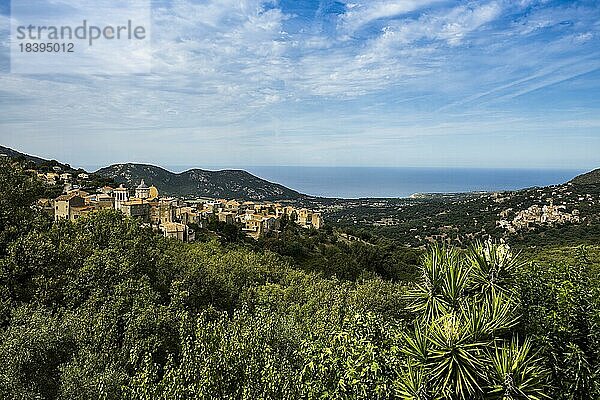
(136, 208)
(68, 206)
(177, 231)
(121, 195)
(142, 191)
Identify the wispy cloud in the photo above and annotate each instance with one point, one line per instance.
(361, 13)
(306, 77)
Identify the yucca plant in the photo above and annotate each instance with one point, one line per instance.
(491, 314)
(456, 363)
(493, 266)
(465, 309)
(417, 347)
(414, 384)
(443, 284)
(515, 373)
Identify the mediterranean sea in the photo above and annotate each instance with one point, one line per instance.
(356, 182)
(360, 182)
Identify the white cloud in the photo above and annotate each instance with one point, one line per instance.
(448, 25)
(360, 14)
(227, 74)
(583, 37)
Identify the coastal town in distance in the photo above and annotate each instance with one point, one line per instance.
(122, 266)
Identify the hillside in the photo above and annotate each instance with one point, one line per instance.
(15, 154)
(557, 215)
(198, 182)
(105, 307)
(589, 178)
(226, 184)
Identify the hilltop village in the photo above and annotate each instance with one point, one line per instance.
(530, 215)
(533, 216)
(174, 217)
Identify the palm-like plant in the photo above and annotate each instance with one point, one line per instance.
(444, 281)
(516, 373)
(455, 363)
(489, 315)
(493, 266)
(417, 347)
(414, 384)
(465, 308)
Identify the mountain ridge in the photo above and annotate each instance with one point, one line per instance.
(231, 183)
(228, 183)
(17, 154)
(589, 178)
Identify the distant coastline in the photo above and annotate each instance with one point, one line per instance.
(399, 182)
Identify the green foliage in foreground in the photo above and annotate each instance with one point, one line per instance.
(103, 308)
(462, 345)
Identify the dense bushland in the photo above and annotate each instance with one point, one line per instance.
(104, 308)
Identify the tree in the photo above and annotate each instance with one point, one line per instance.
(18, 193)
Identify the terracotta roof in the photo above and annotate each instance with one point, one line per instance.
(173, 227)
(134, 201)
(67, 197)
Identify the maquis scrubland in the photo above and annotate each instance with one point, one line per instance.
(105, 308)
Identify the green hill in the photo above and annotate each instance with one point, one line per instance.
(5, 151)
(589, 178)
(197, 182)
(236, 184)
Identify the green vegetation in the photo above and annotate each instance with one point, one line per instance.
(463, 218)
(589, 178)
(105, 308)
(21, 156)
(327, 251)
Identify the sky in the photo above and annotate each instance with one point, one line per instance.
(328, 83)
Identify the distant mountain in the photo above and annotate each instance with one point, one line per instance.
(589, 178)
(15, 154)
(197, 182)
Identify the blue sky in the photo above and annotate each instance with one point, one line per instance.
(346, 83)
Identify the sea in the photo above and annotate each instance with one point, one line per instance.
(360, 182)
